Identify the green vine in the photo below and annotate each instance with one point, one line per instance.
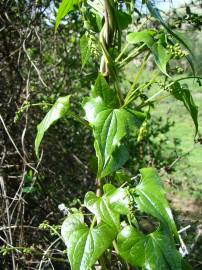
(111, 226)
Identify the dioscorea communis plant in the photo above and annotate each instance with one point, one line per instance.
(106, 231)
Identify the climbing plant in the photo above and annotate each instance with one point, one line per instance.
(107, 229)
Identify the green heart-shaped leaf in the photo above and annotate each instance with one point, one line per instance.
(111, 125)
(184, 95)
(161, 54)
(150, 198)
(85, 48)
(108, 208)
(145, 36)
(58, 110)
(100, 206)
(65, 7)
(85, 245)
(151, 252)
(119, 198)
(123, 19)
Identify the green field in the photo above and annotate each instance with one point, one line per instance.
(189, 167)
(187, 177)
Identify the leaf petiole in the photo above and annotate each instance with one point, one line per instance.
(79, 119)
(133, 54)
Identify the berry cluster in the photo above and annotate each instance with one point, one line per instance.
(176, 51)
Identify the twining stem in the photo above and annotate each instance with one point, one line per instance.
(99, 188)
(99, 192)
(107, 69)
(107, 34)
(106, 54)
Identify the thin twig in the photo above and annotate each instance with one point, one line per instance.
(37, 70)
(8, 219)
(16, 148)
(45, 253)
